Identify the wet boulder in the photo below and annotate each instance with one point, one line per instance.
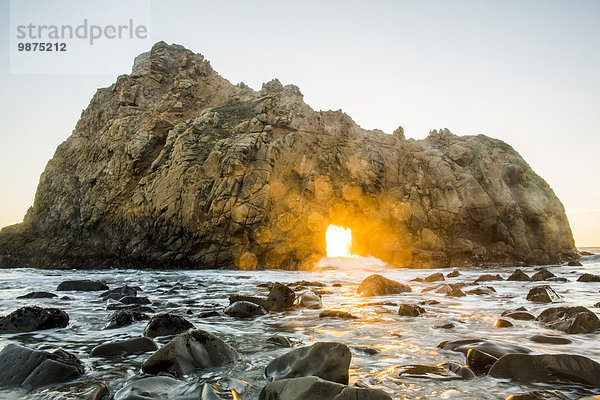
(156, 387)
(83, 285)
(327, 360)
(550, 339)
(310, 300)
(140, 301)
(37, 295)
(479, 361)
(489, 278)
(451, 290)
(519, 275)
(280, 297)
(438, 372)
(410, 310)
(520, 316)
(483, 290)
(279, 341)
(542, 275)
(547, 368)
(252, 299)
(461, 370)
(20, 366)
(438, 276)
(312, 387)
(502, 323)
(167, 324)
(119, 293)
(124, 317)
(570, 319)
(190, 351)
(336, 314)
(453, 274)
(377, 285)
(135, 345)
(33, 318)
(244, 309)
(588, 278)
(494, 348)
(542, 294)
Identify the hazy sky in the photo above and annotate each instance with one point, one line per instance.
(526, 72)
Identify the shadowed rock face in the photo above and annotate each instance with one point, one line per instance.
(173, 166)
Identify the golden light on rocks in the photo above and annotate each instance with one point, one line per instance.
(338, 241)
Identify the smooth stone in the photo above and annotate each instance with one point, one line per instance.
(84, 285)
(377, 285)
(519, 276)
(120, 292)
(336, 314)
(480, 291)
(547, 368)
(208, 314)
(327, 360)
(123, 318)
(451, 290)
(542, 294)
(33, 318)
(135, 300)
(550, 339)
(20, 366)
(494, 348)
(437, 372)
(309, 300)
(438, 276)
(479, 361)
(314, 388)
(453, 274)
(156, 388)
(542, 275)
(502, 323)
(122, 347)
(244, 309)
(588, 278)
(539, 395)
(252, 299)
(410, 310)
(489, 278)
(188, 352)
(279, 341)
(520, 315)
(166, 325)
(37, 295)
(459, 369)
(570, 319)
(280, 297)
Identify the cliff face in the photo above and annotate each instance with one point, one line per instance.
(173, 166)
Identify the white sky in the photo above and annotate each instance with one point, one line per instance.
(526, 72)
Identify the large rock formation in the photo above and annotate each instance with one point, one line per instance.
(173, 166)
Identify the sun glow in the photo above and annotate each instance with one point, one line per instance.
(338, 241)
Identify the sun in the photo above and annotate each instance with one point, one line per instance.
(338, 241)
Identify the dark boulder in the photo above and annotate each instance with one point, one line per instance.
(550, 339)
(459, 369)
(37, 295)
(451, 290)
(479, 361)
(483, 290)
(542, 275)
(167, 324)
(279, 341)
(453, 274)
(123, 318)
(20, 366)
(84, 285)
(410, 310)
(244, 309)
(492, 347)
(327, 360)
(519, 275)
(437, 372)
(377, 285)
(140, 301)
(489, 278)
(547, 368)
(261, 301)
(190, 351)
(502, 323)
(280, 297)
(588, 278)
(33, 318)
(336, 314)
(119, 293)
(520, 315)
(314, 388)
(542, 294)
(157, 388)
(438, 276)
(570, 319)
(123, 347)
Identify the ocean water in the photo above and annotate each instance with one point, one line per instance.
(399, 340)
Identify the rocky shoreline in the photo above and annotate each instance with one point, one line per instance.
(172, 348)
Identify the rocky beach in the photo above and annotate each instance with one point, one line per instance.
(179, 248)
